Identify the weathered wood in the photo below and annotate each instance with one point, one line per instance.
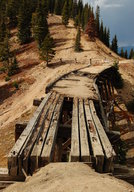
(75, 146)
(19, 128)
(107, 147)
(36, 135)
(48, 149)
(94, 139)
(101, 107)
(36, 152)
(85, 152)
(24, 138)
(66, 144)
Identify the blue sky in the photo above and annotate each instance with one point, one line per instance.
(118, 15)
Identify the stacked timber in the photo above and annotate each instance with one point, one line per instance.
(89, 140)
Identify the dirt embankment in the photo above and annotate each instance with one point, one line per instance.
(70, 177)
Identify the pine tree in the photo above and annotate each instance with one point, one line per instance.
(24, 23)
(39, 25)
(101, 32)
(108, 38)
(90, 29)
(131, 55)
(74, 9)
(71, 8)
(65, 13)
(3, 29)
(46, 51)
(97, 20)
(58, 7)
(51, 4)
(126, 54)
(77, 41)
(12, 10)
(122, 53)
(114, 45)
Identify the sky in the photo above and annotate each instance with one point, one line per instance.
(118, 15)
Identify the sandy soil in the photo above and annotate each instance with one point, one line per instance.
(34, 76)
(70, 177)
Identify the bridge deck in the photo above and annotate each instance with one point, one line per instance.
(60, 130)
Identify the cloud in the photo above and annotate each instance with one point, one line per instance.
(107, 4)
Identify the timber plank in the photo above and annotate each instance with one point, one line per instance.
(48, 149)
(24, 138)
(107, 147)
(36, 152)
(75, 146)
(94, 139)
(27, 151)
(85, 152)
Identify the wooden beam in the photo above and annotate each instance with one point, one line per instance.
(37, 149)
(75, 145)
(94, 139)
(48, 149)
(107, 147)
(85, 152)
(66, 144)
(24, 138)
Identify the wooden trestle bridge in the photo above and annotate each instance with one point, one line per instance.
(70, 124)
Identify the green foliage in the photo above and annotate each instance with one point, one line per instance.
(58, 7)
(65, 13)
(7, 78)
(114, 45)
(39, 25)
(24, 23)
(97, 20)
(122, 54)
(46, 51)
(130, 106)
(77, 41)
(16, 84)
(13, 68)
(131, 55)
(117, 79)
(2, 69)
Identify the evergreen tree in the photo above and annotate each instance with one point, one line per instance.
(122, 53)
(39, 25)
(51, 5)
(77, 41)
(108, 38)
(58, 7)
(24, 23)
(74, 9)
(101, 32)
(90, 29)
(65, 13)
(12, 10)
(3, 30)
(97, 20)
(126, 54)
(46, 51)
(131, 55)
(114, 45)
(71, 8)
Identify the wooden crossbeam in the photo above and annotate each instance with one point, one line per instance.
(107, 147)
(48, 149)
(75, 145)
(94, 139)
(85, 152)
